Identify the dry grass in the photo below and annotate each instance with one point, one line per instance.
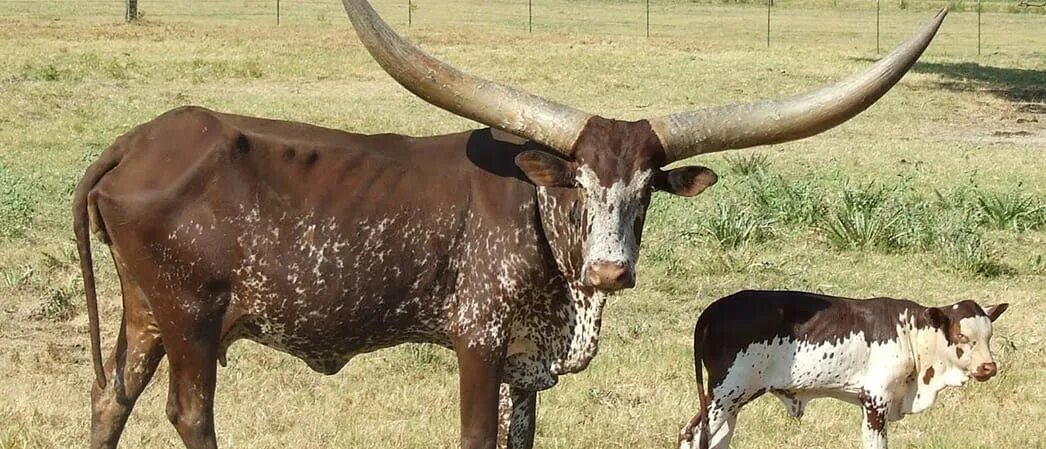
(70, 86)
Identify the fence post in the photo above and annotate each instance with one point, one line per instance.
(769, 3)
(410, 12)
(277, 12)
(530, 16)
(131, 11)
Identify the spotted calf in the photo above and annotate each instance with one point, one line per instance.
(889, 356)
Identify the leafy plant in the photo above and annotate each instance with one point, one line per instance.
(864, 219)
(749, 164)
(793, 202)
(733, 225)
(17, 205)
(1011, 210)
(59, 304)
(966, 252)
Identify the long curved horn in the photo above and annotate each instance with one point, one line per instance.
(686, 134)
(492, 104)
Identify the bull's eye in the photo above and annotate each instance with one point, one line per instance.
(962, 339)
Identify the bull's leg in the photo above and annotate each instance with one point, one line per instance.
(517, 411)
(190, 398)
(480, 378)
(129, 369)
(873, 430)
(192, 350)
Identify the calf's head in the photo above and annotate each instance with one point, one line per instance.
(966, 349)
(615, 164)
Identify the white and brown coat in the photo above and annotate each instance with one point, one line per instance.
(889, 356)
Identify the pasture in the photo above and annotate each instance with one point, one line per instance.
(937, 193)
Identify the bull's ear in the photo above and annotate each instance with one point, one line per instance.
(685, 181)
(937, 318)
(996, 310)
(547, 170)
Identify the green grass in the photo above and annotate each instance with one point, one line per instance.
(955, 151)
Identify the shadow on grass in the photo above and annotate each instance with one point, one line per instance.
(1024, 86)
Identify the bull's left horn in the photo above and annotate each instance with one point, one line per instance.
(496, 105)
(767, 122)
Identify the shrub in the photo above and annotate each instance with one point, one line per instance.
(17, 204)
(865, 218)
(749, 164)
(792, 202)
(733, 225)
(1011, 210)
(965, 251)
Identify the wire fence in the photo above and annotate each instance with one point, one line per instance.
(750, 19)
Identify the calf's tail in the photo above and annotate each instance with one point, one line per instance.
(82, 229)
(700, 421)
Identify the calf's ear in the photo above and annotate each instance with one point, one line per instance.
(685, 181)
(995, 310)
(547, 170)
(936, 318)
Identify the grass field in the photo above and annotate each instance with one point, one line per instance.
(937, 193)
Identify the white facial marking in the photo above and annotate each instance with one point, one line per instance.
(612, 214)
(978, 330)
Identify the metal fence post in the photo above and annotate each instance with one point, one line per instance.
(978, 27)
(530, 16)
(410, 12)
(769, 3)
(131, 11)
(277, 12)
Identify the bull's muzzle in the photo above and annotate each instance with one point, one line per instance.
(985, 371)
(610, 276)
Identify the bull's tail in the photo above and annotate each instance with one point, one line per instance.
(700, 331)
(82, 229)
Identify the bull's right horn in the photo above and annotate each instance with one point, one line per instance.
(551, 124)
(767, 122)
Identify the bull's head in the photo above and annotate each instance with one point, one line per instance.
(618, 163)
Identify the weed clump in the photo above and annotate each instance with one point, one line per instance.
(734, 225)
(17, 204)
(1011, 210)
(865, 217)
(965, 251)
(750, 164)
(787, 201)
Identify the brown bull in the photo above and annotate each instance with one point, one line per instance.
(326, 244)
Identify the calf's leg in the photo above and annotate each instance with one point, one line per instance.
(517, 411)
(873, 430)
(722, 421)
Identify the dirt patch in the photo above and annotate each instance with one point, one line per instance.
(1002, 122)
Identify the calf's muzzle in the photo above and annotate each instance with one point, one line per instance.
(985, 371)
